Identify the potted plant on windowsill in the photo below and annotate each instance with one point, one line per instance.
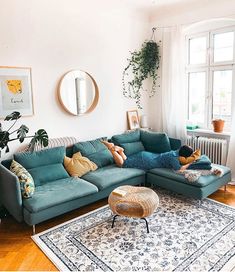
(218, 125)
(9, 135)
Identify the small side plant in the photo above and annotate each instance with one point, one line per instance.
(11, 134)
(142, 64)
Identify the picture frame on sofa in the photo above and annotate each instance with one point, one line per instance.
(133, 119)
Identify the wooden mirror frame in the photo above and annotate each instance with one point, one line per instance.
(95, 100)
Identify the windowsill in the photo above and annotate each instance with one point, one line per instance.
(208, 133)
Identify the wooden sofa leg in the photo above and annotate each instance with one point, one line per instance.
(225, 188)
(34, 230)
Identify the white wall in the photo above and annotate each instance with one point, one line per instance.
(188, 14)
(54, 36)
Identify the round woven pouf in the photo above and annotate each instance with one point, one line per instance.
(131, 201)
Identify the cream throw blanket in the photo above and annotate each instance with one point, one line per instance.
(194, 175)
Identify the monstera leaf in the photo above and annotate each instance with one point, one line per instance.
(4, 138)
(21, 133)
(40, 137)
(15, 115)
(9, 135)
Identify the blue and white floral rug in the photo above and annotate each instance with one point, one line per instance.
(185, 235)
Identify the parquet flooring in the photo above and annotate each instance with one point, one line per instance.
(19, 253)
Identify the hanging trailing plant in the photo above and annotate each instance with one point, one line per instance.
(143, 64)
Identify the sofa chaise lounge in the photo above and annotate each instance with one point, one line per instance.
(57, 193)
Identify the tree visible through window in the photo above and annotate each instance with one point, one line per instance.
(210, 76)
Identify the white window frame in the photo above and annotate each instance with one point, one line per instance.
(209, 67)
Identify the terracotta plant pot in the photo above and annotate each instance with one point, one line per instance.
(218, 125)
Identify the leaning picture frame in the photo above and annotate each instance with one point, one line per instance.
(133, 119)
(16, 91)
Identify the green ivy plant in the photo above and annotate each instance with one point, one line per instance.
(142, 64)
(20, 134)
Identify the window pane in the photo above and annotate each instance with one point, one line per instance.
(197, 89)
(222, 95)
(223, 46)
(197, 50)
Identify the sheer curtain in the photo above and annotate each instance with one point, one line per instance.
(231, 150)
(174, 97)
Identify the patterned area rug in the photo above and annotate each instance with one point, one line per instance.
(185, 235)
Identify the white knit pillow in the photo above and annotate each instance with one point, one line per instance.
(55, 142)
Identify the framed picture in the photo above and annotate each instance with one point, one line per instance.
(133, 119)
(15, 91)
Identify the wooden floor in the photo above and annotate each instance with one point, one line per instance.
(18, 251)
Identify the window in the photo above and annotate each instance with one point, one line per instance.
(210, 76)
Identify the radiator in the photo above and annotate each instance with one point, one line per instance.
(215, 149)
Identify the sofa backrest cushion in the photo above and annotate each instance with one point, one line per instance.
(45, 165)
(95, 151)
(155, 142)
(175, 143)
(130, 141)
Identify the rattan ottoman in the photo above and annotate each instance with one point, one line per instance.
(131, 201)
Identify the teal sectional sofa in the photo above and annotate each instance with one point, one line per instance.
(57, 193)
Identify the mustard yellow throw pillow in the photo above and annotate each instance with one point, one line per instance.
(27, 186)
(78, 165)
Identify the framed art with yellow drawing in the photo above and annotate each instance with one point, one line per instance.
(133, 119)
(15, 91)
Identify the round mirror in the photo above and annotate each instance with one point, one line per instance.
(78, 92)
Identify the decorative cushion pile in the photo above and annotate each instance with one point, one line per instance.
(95, 151)
(27, 186)
(78, 165)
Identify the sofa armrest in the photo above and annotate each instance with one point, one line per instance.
(175, 143)
(10, 193)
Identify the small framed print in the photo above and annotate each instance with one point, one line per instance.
(15, 91)
(133, 119)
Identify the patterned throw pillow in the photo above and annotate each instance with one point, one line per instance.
(27, 186)
(78, 165)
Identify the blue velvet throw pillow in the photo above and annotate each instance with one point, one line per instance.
(204, 163)
(95, 151)
(155, 142)
(45, 165)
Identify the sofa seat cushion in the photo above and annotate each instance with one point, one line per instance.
(201, 182)
(111, 175)
(130, 141)
(95, 151)
(58, 192)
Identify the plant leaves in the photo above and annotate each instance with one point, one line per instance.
(21, 133)
(142, 64)
(13, 116)
(40, 137)
(7, 149)
(4, 138)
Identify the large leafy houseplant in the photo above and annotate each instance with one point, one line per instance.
(142, 64)
(20, 134)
